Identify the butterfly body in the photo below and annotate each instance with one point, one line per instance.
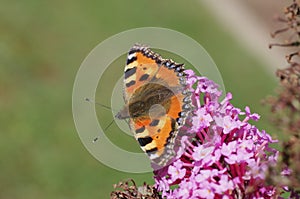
(154, 102)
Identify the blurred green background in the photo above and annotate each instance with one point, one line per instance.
(42, 44)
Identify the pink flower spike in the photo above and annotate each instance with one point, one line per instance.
(227, 98)
(227, 150)
(205, 193)
(189, 73)
(201, 153)
(253, 116)
(224, 185)
(232, 159)
(203, 176)
(220, 155)
(201, 120)
(176, 171)
(243, 155)
(246, 144)
(227, 123)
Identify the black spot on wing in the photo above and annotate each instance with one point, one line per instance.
(173, 124)
(132, 82)
(131, 51)
(151, 151)
(154, 123)
(140, 130)
(159, 60)
(144, 77)
(144, 141)
(170, 138)
(180, 121)
(129, 72)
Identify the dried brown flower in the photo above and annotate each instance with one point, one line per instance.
(286, 105)
(129, 190)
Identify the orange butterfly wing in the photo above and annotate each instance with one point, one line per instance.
(151, 80)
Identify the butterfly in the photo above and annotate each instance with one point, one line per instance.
(156, 102)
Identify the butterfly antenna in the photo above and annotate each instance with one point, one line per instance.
(104, 106)
(109, 125)
(92, 101)
(97, 138)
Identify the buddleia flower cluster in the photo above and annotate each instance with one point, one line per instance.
(221, 155)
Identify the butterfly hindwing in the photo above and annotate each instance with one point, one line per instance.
(156, 138)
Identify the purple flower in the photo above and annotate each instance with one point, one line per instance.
(286, 172)
(227, 123)
(221, 155)
(176, 171)
(228, 149)
(253, 116)
(204, 175)
(232, 159)
(224, 185)
(244, 155)
(205, 192)
(202, 153)
(201, 120)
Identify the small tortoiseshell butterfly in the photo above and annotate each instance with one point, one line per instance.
(156, 102)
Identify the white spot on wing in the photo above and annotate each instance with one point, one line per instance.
(130, 56)
(143, 134)
(129, 66)
(153, 156)
(149, 146)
